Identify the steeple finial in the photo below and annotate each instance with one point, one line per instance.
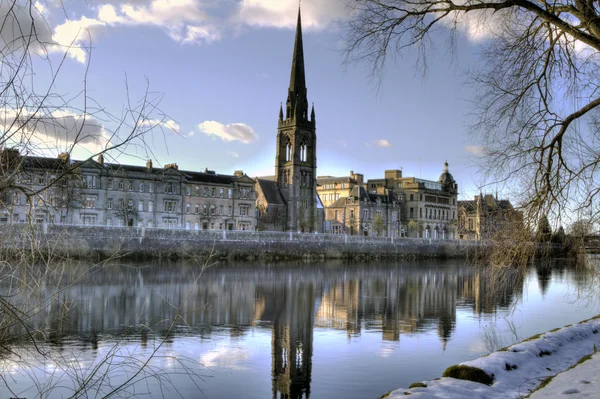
(312, 113)
(280, 111)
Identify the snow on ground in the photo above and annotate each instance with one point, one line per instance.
(520, 368)
(582, 381)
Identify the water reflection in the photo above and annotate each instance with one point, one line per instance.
(292, 302)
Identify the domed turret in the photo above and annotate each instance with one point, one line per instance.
(446, 177)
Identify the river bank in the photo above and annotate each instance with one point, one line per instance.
(521, 369)
(95, 242)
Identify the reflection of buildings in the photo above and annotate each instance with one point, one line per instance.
(290, 310)
(403, 302)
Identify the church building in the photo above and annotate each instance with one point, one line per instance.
(288, 201)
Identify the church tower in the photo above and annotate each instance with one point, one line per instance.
(296, 159)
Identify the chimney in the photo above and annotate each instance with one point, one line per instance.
(171, 166)
(149, 165)
(238, 173)
(65, 157)
(101, 159)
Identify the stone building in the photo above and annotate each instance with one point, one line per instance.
(331, 189)
(364, 213)
(93, 192)
(429, 207)
(294, 187)
(484, 216)
(408, 206)
(221, 202)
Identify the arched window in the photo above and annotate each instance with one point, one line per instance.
(288, 151)
(303, 152)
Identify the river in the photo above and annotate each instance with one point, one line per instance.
(331, 330)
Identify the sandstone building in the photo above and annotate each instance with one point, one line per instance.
(484, 216)
(405, 206)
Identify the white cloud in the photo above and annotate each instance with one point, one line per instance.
(316, 14)
(183, 20)
(476, 150)
(230, 132)
(55, 130)
(379, 143)
(161, 124)
(233, 154)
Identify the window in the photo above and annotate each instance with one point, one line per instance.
(89, 219)
(141, 206)
(130, 205)
(230, 210)
(420, 197)
(411, 213)
(121, 185)
(151, 188)
(365, 214)
(121, 203)
(110, 184)
(170, 205)
(197, 193)
(187, 225)
(230, 193)
(303, 152)
(130, 186)
(205, 209)
(213, 191)
(420, 212)
(351, 213)
(244, 210)
(196, 226)
(378, 213)
(343, 185)
(109, 204)
(206, 191)
(150, 206)
(244, 193)
(212, 209)
(212, 226)
(169, 188)
(220, 209)
(221, 192)
(90, 202)
(141, 187)
(412, 197)
(336, 215)
(220, 226)
(187, 208)
(197, 209)
(188, 191)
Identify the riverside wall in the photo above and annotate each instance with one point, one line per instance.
(98, 242)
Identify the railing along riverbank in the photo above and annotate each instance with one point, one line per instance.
(142, 242)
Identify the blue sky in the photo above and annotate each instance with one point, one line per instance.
(222, 67)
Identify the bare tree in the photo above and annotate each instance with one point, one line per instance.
(38, 122)
(537, 104)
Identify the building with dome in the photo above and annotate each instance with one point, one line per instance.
(406, 206)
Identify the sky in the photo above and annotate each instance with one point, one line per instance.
(221, 68)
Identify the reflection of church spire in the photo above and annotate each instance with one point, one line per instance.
(292, 343)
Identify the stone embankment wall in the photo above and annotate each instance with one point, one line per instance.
(104, 242)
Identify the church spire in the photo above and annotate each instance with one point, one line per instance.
(297, 104)
(297, 78)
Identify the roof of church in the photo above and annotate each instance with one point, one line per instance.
(270, 191)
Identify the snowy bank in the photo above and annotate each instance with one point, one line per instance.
(518, 369)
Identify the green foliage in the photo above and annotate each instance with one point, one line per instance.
(544, 231)
(417, 385)
(378, 224)
(468, 373)
(558, 237)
